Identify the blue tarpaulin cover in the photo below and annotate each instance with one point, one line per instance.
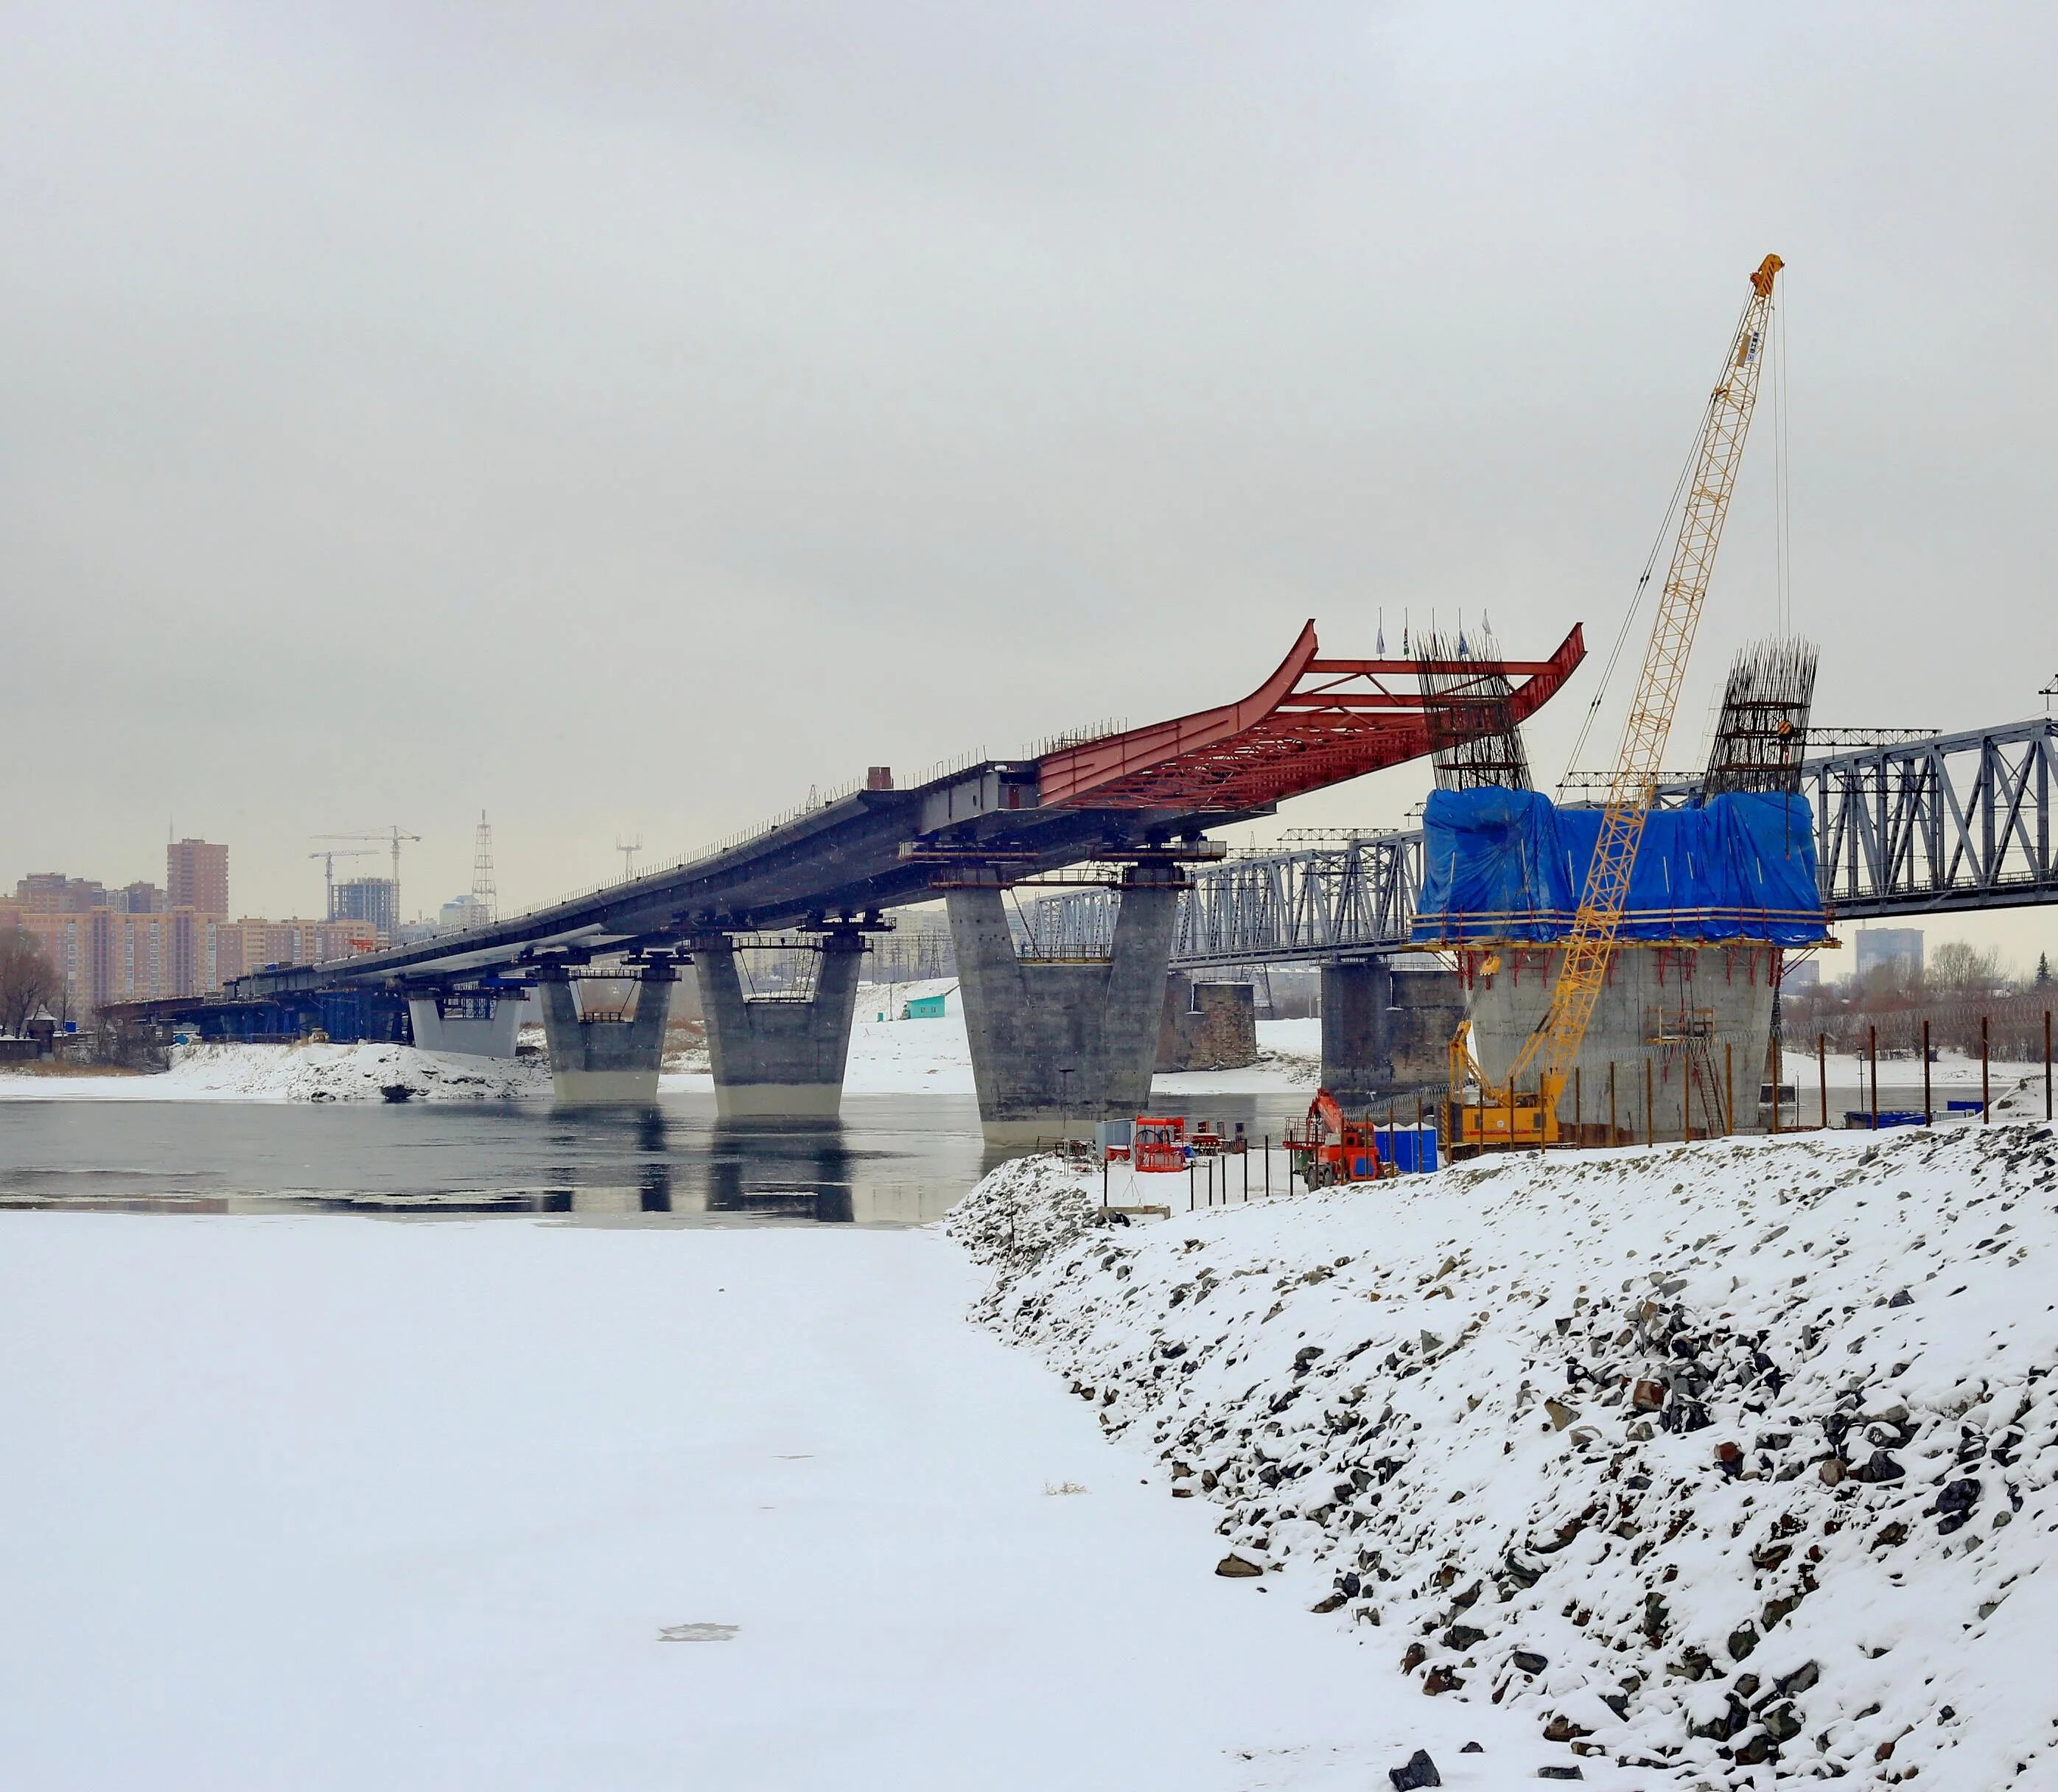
(1509, 865)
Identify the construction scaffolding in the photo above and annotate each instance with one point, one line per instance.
(1762, 736)
(1474, 738)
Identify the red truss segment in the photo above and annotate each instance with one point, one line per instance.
(1313, 723)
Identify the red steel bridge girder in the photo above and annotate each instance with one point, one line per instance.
(1314, 722)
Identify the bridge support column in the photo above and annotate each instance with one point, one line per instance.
(1055, 1045)
(1386, 1032)
(776, 1055)
(606, 1033)
(480, 1023)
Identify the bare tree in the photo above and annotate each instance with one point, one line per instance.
(28, 979)
(1959, 970)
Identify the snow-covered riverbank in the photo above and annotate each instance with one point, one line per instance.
(1736, 1459)
(886, 1057)
(315, 1072)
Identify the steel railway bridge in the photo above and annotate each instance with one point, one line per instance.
(1934, 824)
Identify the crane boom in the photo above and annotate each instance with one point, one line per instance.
(1605, 897)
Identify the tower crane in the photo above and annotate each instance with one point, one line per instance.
(393, 837)
(328, 855)
(1549, 1051)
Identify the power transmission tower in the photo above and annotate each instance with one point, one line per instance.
(629, 849)
(485, 900)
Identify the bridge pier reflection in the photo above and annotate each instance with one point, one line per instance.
(801, 1168)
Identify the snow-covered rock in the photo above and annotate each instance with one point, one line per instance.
(1735, 1459)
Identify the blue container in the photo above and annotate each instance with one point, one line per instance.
(1963, 1107)
(1410, 1149)
(1860, 1119)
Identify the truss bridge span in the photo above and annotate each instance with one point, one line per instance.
(1940, 824)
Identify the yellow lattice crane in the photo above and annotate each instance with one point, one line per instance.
(1546, 1055)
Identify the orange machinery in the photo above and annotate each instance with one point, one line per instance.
(1333, 1149)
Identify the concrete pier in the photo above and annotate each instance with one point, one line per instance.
(1061, 1043)
(1386, 1030)
(606, 1034)
(777, 1055)
(480, 1023)
(1698, 1018)
(1206, 1026)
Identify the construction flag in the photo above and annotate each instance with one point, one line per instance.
(1378, 645)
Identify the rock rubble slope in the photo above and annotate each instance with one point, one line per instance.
(1732, 1461)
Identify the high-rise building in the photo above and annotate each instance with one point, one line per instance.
(246, 946)
(462, 911)
(138, 898)
(196, 876)
(365, 899)
(1880, 947)
(51, 892)
(106, 954)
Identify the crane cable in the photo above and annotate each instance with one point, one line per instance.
(1657, 546)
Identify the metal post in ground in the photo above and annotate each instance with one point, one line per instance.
(1929, 1106)
(1579, 1100)
(1729, 1088)
(1190, 1179)
(1822, 1075)
(1103, 1174)
(1614, 1130)
(1650, 1108)
(1986, 1091)
(1268, 1163)
(1246, 1155)
(2047, 1063)
(1871, 1071)
(1778, 1057)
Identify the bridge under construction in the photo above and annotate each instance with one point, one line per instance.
(1050, 1041)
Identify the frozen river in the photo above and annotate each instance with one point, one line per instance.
(655, 1501)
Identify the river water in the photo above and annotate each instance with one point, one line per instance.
(890, 1159)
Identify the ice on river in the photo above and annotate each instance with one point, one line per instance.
(328, 1503)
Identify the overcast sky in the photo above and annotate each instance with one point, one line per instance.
(621, 417)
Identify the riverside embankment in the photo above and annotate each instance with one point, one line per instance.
(1733, 1461)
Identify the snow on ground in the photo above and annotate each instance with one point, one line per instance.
(321, 1503)
(896, 1056)
(301, 1073)
(1289, 1058)
(1736, 1457)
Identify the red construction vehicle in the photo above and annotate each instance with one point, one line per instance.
(1333, 1149)
(1158, 1145)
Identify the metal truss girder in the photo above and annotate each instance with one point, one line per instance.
(1949, 823)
